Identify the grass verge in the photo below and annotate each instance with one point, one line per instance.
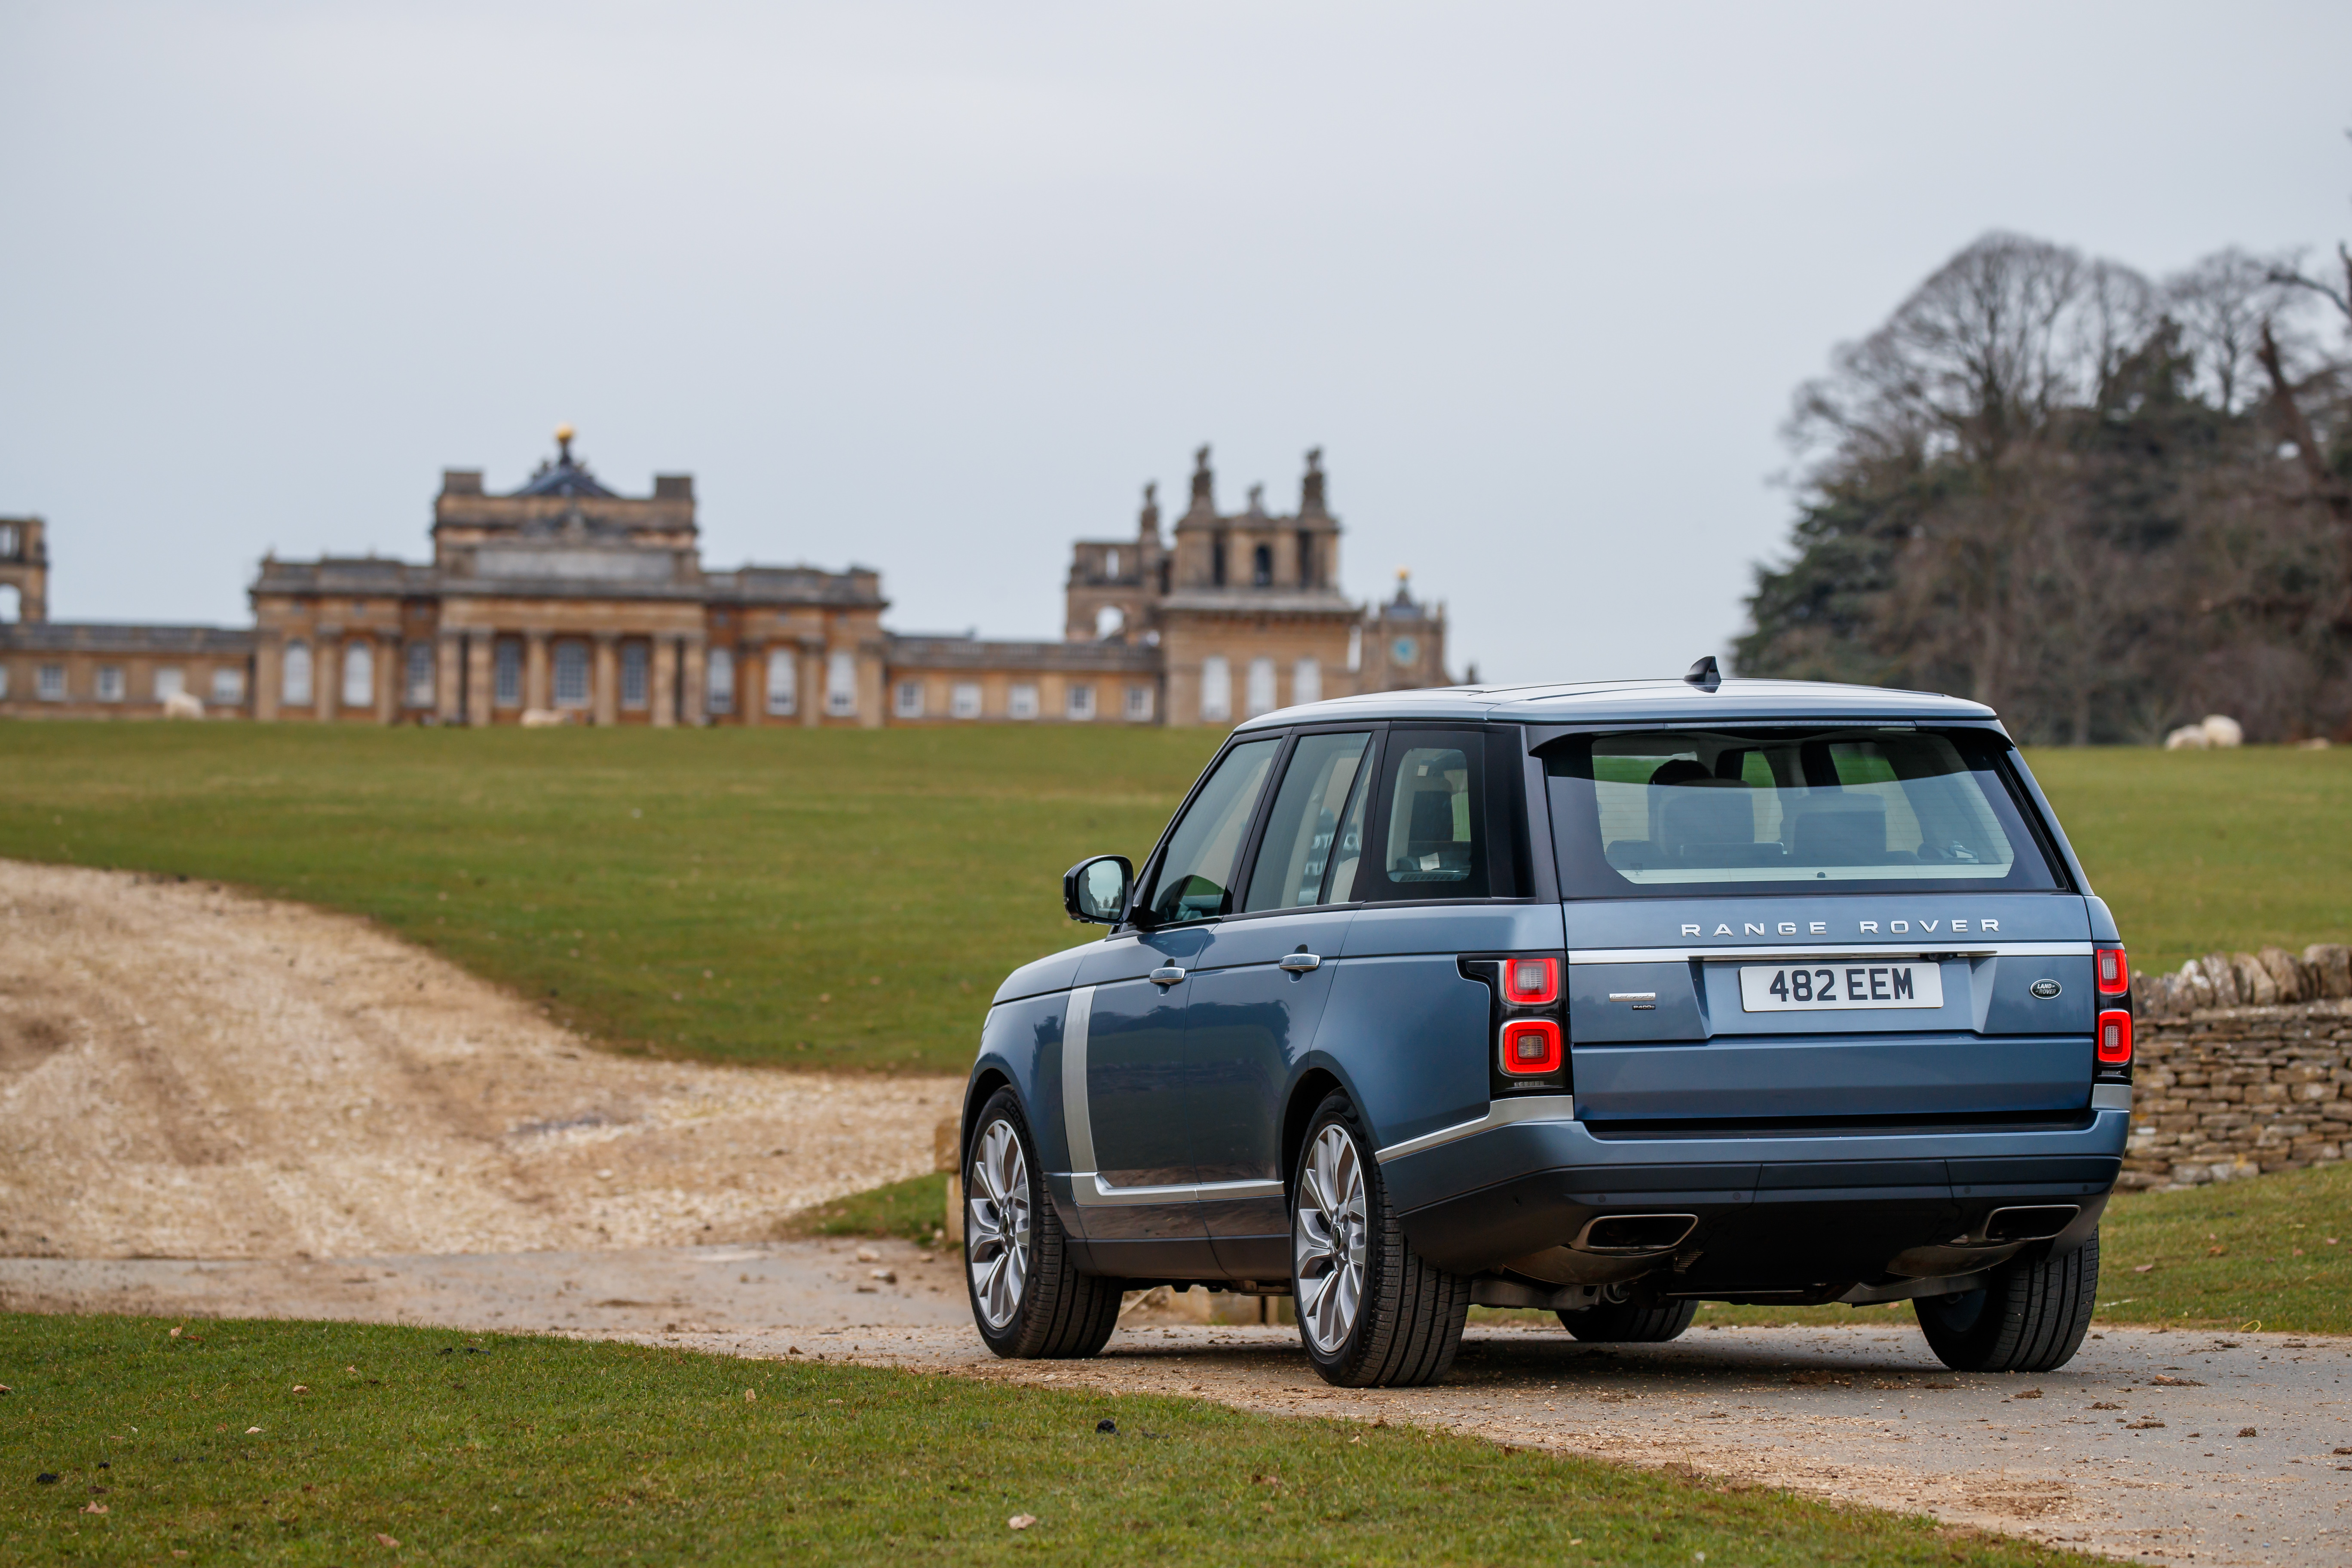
(914, 1210)
(412, 1446)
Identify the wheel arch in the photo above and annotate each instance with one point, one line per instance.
(986, 1081)
(1313, 1087)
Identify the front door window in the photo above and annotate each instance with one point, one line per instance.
(1196, 874)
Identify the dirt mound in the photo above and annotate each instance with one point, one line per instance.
(188, 1072)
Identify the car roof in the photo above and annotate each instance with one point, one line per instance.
(1643, 702)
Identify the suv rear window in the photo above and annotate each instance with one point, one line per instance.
(1676, 812)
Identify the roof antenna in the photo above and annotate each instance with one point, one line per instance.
(1705, 675)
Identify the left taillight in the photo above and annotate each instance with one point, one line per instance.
(2114, 1037)
(2113, 971)
(1531, 1047)
(1531, 981)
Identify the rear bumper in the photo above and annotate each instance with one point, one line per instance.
(1774, 1212)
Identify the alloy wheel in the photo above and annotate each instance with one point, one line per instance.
(1329, 1235)
(996, 1222)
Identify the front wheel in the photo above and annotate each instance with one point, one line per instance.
(2029, 1316)
(1026, 1300)
(1370, 1312)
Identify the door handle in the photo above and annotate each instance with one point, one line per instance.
(1299, 963)
(1167, 976)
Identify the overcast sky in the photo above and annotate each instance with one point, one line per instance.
(935, 289)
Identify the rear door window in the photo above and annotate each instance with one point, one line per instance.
(1676, 812)
(1196, 873)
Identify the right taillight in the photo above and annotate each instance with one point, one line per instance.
(1531, 981)
(2113, 970)
(2114, 1037)
(1531, 1047)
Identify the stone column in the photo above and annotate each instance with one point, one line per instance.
(327, 673)
(269, 674)
(534, 671)
(604, 694)
(752, 683)
(448, 678)
(691, 651)
(811, 681)
(391, 677)
(480, 696)
(873, 685)
(665, 675)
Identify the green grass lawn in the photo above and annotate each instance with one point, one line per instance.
(852, 897)
(814, 897)
(119, 1444)
(2200, 850)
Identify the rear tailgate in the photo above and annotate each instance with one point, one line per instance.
(1659, 1029)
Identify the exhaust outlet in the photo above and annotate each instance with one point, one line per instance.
(1630, 1233)
(2037, 1222)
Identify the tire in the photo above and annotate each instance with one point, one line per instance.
(1370, 1312)
(1027, 1301)
(1623, 1324)
(2030, 1317)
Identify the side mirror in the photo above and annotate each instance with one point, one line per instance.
(1096, 891)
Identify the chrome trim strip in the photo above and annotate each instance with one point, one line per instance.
(1501, 1113)
(1092, 1192)
(2111, 1096)
(1077, 1118)
(1909, 949)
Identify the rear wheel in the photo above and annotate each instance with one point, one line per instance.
(1027, 1302)
(1623, 1324)
(1370, 1312)
(2029, 1316)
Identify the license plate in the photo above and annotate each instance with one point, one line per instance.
(1828, 987)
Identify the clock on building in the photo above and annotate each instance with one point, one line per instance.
(1404, 650)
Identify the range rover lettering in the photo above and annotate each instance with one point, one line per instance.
(1605, 999)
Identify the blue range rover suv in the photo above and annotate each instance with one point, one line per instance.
(1606, 999)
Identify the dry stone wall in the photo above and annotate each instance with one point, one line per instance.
(2243, 1066)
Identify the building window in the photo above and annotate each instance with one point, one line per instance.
(1217, 561)
(1259, 699)
(1110, 565)
(4, 683)
(1305, 558)
(1262, 566)
(228, 686)
(170, 682)
(1020, 702)
(783, 682)
(1109, 622)
(963, 699)
(51, 684)
(908, 703)
(634, 658)
(506, 674)
(420, 674)
(841, 684)
(110, 683)
(359, 675)
(572, 675)
(1216, 690)
(718, 679)
(294, 680)
(1139, 702)
(1078, 702)
(1355, 649)
(1306, 681)
(8, 545)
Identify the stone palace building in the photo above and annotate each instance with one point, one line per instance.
(566, 601)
